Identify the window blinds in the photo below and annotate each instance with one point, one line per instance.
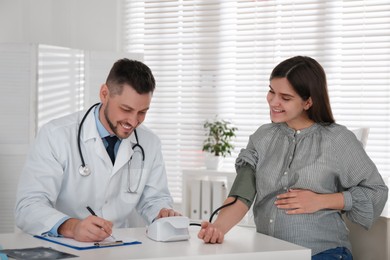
(214, 57)
(60, 82)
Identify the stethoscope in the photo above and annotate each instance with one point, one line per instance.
(84, 169)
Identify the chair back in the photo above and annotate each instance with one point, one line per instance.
(362, 135)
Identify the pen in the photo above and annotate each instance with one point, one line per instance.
(94, 214)
(91, 211)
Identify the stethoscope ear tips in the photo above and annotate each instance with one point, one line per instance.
(84, 170)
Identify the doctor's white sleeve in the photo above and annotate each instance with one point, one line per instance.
(38, 188)
(156, 194)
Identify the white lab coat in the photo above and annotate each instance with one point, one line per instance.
(51, 187)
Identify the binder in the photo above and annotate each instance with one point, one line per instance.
(219, 194)
(206, 200)
(195, 191)
(88, 245)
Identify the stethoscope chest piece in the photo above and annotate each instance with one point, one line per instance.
(84, 170)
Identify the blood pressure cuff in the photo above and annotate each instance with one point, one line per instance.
(244, 186)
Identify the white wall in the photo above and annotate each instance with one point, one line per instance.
(80, 24)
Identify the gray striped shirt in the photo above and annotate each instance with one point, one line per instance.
(323, 159)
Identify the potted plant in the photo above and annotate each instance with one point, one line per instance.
(218, 142)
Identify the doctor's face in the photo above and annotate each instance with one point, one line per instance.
(121, 113)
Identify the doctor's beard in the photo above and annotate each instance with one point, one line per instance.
(114, 128)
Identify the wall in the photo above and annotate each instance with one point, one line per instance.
(80, 24)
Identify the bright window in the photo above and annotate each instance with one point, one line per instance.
(214, 57)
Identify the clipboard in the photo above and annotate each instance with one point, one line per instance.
(88, 245)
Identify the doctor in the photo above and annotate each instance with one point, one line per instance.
(68, 167)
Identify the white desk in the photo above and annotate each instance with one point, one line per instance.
(239, 242)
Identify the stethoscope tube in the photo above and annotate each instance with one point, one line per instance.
(129, 190)
(138, 145)
(83, 169)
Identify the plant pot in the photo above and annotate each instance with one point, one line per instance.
(213, 162)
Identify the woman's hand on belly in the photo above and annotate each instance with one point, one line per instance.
(306, 201)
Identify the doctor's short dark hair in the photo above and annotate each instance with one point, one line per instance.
(308, 79)
(131, 72)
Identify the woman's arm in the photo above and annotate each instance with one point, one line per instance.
(365, 193)
(241, 195)
(227, 218)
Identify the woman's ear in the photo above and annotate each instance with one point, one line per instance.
(308, 104)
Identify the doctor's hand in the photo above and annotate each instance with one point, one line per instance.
(164, 212)
(209, 233)
(90, 229)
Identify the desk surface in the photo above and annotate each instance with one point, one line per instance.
(239, 242)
